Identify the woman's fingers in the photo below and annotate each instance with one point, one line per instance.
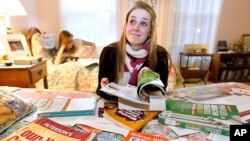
(104, 81)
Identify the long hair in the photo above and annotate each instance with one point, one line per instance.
(152, 52)
(64, 38)
(28, 36)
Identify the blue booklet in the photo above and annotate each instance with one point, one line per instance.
(62, 107)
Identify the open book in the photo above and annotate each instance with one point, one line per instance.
(149, 84)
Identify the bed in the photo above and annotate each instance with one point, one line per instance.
(81, 75)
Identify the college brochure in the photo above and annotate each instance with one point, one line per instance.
(129, 119)
(48, 130)
(59, 107)
(211, 118)
(12, 108)
(149, 84)
(138, 136)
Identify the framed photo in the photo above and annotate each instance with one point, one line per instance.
(15, 45)
(222, 45)
(246, 40)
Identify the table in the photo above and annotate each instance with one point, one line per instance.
(200, 93)
(24, 76)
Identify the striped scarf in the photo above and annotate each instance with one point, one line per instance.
(134, 61)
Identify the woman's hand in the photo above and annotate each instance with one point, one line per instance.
(104, 81)
(59, 56)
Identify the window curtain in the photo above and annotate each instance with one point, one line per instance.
(192, 22)
(92, 20)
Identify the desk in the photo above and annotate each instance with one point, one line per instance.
(189, 72)
(24, 76)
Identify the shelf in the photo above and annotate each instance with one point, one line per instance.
(227, 67)
(188, 74)
(235, 67)
(195, 54)
(244, 80)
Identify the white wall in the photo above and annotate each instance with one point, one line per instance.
(22, 23)
(234, 20)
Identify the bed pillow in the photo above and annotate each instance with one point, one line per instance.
(83, 50)
(43, 45)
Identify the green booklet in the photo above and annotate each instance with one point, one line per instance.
(62, 107)
(210, 118)
(149, 84)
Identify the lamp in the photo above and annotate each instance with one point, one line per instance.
(11, 8)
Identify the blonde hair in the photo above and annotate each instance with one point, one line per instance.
(64, 37)
(28, 36)
(152, 52)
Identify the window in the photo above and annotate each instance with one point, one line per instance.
(193, 22)
(92, 20)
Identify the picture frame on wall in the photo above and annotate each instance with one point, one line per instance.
(222, 46)
(246, 42)
(15, 46)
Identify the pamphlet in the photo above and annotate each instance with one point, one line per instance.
(149, 84)
(211, 118)
(61, 107)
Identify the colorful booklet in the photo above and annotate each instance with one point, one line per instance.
(12, 108)
(210, 118)
(149, 84)
(138, 136)
(60, 107)
(48, 130)
(129, 119)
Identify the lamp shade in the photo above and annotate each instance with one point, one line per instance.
(11, 8)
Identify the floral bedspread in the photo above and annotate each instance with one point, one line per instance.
(71, 76)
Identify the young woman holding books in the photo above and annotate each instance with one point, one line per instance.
(121, 61)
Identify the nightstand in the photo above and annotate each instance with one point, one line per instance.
(24, 76)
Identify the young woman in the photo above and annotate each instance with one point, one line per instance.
(71, 49)
(121, 61)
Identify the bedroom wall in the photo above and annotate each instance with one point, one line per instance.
(234, 20)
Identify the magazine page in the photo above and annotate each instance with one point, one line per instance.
(48, 130)
(12, 109)
(125, 92)
(149, 83)
(134, 136)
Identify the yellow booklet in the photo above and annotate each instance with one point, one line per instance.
(129, 119)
